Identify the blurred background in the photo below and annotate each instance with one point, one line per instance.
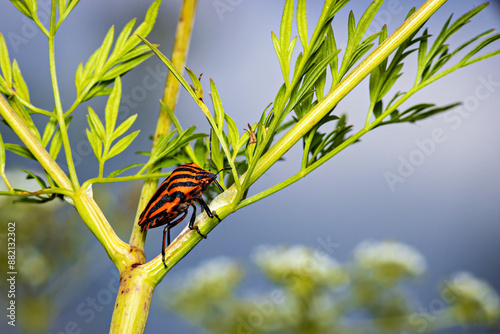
(446, 207)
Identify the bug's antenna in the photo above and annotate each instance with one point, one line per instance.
(210, 150)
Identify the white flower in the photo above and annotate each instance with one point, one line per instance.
(298, 265)
(215, 278)
(389, 260)
(474, 300)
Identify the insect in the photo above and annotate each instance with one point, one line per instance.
(173, 198)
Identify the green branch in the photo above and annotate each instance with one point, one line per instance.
(305, 124)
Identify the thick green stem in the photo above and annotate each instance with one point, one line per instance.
(119, 252)
(137, 283)
(34, 145)
(88, 209)
(179, 54)
(134, 300)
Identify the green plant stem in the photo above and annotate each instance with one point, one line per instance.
(47, 191)
(117, 250)
(57, 99)
(179, 54)
(343, 88)
(136, 284)
(34, 145)
(133, 300)
(188, 239)
(123, 178)
(279, 109)
(33, 108)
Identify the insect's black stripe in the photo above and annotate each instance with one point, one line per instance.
(164, 200)
(191, 169)
(159, 192)
(196, 177)
(185, 184)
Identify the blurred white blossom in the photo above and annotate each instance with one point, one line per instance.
(389, 261)
(215, 277)
(299, 266)
(474, 300)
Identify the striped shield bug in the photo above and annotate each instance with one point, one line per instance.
(171, 201)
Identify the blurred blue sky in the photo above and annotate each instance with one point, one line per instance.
(447, 207)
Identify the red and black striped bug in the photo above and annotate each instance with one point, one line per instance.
(173, 198)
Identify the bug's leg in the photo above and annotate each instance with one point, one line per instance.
(163, 245)
(166, 230)
(205, 207)
(191, 223)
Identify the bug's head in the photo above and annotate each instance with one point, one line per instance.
(207, 180)
(210, 178)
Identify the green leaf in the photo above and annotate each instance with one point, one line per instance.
(50, 128)
(367, 18)
(95, 124)
(171, 67)
(422, 52)
(465, 61)
(32, 6)
(144, 28)
(286, 24)
(88, 69)
(112, 106)
(122, 128)
(122, 144)
(21, 87)
(217, 103)
(311, 78)
(19, 150)
(121, 170)
(334, 63)
(70, 5)
(276, 45)
(5, 62)
(234, 135)
(56, 144)
(135, 52)
(172, 116)
(79, 78)
(198, 89)
(39, 180)
(98, 90)
(21, 6)
(2, 156)
(124, 67)
(122, 38)
(302, 23)
(355, 48)
(104, 52)
(95, 143)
